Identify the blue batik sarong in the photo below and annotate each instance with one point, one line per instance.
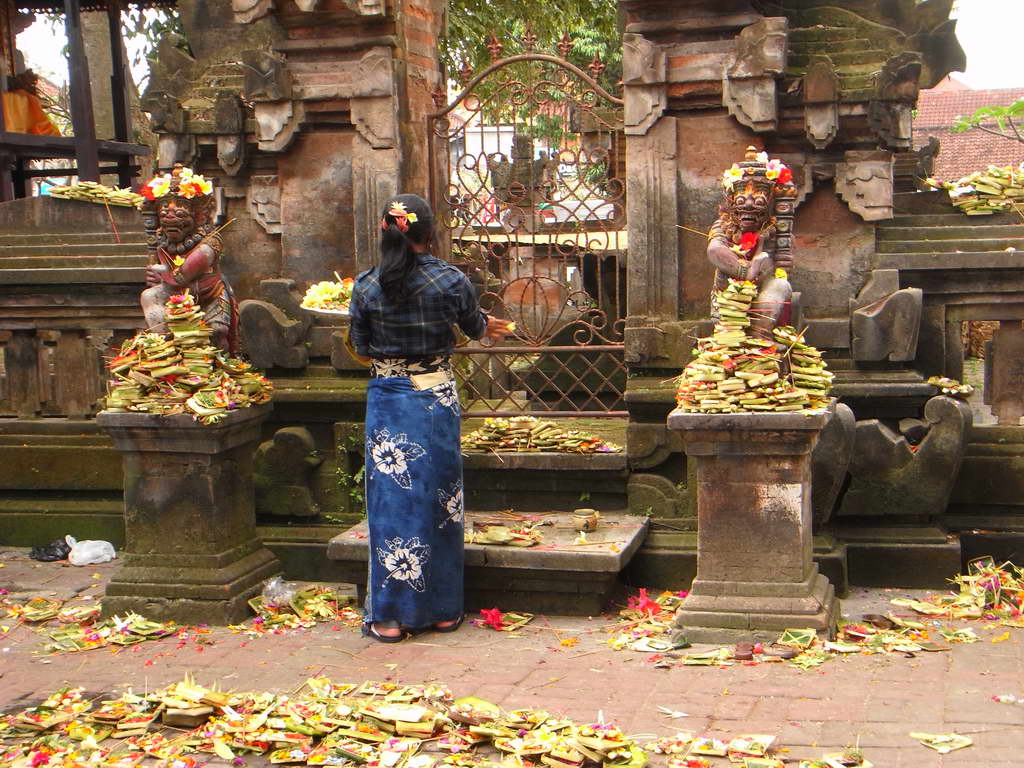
(414, 500)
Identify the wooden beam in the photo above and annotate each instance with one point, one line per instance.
(118, 74)
(29, 145)
(82, 121)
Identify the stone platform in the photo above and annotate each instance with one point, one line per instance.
(557, 576)
(755, 573)
(192, 554)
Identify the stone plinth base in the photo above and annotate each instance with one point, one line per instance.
(755, 573)
(192, 554)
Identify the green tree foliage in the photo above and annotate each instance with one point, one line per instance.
(593, 25)
(999, 121)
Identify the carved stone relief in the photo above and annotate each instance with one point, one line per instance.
(748, 85)
(278, 123)
(644, 83)
(248, 11)
(264, 199)
(864, 181)
(890, 477)
(375, 119)
(890, 112)
(266, 76)
(821, 102)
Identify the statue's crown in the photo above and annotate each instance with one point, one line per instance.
(180, 182)
(756, 173)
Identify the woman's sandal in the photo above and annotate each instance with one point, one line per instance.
(373, 634)
(451, 627)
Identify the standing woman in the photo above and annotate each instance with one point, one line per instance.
(403, 313)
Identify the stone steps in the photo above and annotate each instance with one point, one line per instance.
(75, 250)
(822, 34)
(859, 45)
(72, 238)
(134, 260)
(938, 220)
(1003, 231)
(926, 245)
(864, 57)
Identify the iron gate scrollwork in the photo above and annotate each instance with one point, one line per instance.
(526, 174)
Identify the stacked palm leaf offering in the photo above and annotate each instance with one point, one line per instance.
(183, 373)
(981, 193)
(527, 434)
(737, 372)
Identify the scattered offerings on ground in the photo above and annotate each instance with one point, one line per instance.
(304, 608)
(94, 192)
(327, 296)
(994, 190)
(989, 591)
(528, 434)
(182, 372)
(951, 387)
(737, 372)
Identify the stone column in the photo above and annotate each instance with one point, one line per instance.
(755, 575)
(191, 551)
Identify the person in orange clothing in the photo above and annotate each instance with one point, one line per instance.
(23, 111)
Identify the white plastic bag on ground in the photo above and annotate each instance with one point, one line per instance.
(89, 552)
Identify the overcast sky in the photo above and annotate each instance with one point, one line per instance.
(989, 30)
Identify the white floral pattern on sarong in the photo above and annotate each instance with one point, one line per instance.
(448, 396)
(404, 561)
(392, 455)
(452, 505)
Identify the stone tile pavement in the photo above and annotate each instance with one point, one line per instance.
(873, 701)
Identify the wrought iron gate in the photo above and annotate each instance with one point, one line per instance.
(526, 171)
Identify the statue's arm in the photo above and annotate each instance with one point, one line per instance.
(198, 262)
(726, 260)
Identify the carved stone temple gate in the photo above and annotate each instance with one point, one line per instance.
(526, 180)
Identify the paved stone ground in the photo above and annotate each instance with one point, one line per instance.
(871, 700)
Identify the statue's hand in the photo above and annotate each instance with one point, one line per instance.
(759, 267)
(153, 276)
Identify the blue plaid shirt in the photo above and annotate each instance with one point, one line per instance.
(439, 297)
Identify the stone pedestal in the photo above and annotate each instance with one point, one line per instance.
(755, 574)
(191, 551)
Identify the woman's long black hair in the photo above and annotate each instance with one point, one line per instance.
(399, 232)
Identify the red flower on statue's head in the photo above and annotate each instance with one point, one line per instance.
(748, 241)
(785, 176)
(147, 192)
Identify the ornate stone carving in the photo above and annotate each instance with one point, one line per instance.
(888, 476)
(266, 76)
(655, 495)
(830, 461)
(821, 102)
(890, 112)
(284, 468)
(271, 338)
(888, 329)
(278, 122)
(375, 119)
(644, 80)
(231, 154)
(650, 445)
(748, 85)
(864, 181)
(165, 113)
(264, 199)
(176, 147)
(248, 11)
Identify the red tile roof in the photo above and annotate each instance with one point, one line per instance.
(964, 153)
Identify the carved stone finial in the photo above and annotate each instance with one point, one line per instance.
(565, 45)
(495, 47)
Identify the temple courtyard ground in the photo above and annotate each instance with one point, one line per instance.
(870, 701)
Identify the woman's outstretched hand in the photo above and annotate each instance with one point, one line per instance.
(497, 328)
